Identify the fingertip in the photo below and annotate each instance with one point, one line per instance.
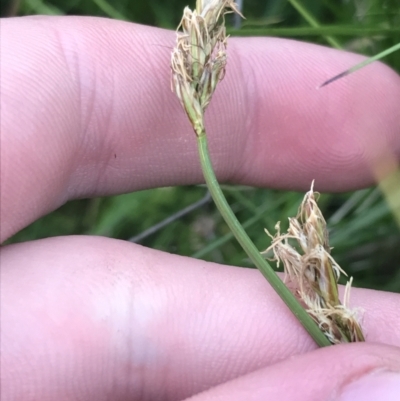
(329, 373)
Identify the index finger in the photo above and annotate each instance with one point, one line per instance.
(87, 110)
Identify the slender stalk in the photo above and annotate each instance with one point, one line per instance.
(313, 22)
(363, 64)
(251, 250)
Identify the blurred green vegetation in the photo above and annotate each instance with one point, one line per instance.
(364, 233)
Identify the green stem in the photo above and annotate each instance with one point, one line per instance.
(251, 250)
(363, 64)
(313, 22)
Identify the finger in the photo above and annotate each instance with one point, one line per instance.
(141, 322)
(87, 110)
(343, 373)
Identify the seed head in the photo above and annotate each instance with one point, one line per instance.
(199, 58)
(314, 273)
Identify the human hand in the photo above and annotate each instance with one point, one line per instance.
(90, 318)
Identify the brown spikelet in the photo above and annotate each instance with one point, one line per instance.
(310, 267)
(198, 61)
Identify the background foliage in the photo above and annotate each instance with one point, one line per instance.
(364, 232)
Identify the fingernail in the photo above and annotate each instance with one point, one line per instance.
(382, 386)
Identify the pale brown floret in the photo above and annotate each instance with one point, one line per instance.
(310, 267)
(199, 58)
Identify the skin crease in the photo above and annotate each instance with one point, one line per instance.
(88, 318)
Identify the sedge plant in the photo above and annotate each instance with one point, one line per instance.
(198, 63)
